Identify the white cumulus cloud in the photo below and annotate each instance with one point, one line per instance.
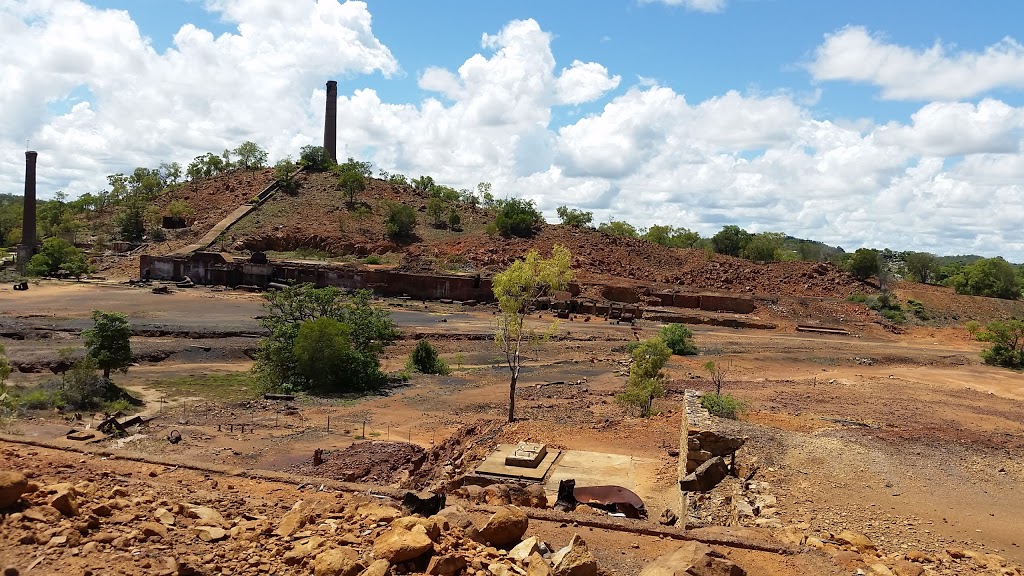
(695, 5)
(903, 73)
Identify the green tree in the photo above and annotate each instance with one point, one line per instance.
(992, 277)
(326, 357)
(454, 220)
(401, 220)
(251, 156)
(921, 266)
(369, 329)
(730, 240)
(170, 173)
(517, 217)
(315, 158)
(671, 237)
(204, 166)
(284, 172)
(131, 220)
(679, 339)
(351, 183)
(423, 184)
(180, 209)
(108, 342)
(573, 217)
(424, 358)
(58, 256)
(517, 290)
(865, 263)
(436, 211)
(364, 169)
(1007, 339)
(618, 228)
(646, 380)
(764, 247)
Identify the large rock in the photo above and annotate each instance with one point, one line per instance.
(433, 525)
(446, 565)
(905, 568)
(538, 566)
(64, 502)
(692, 559)
(210, 533)
(706, 476)
(206, 516)
(377, 568)
(342, 561)
(294, 519)
(401, 545)
(859, 541)
(12, 486)
(575, 559)
(303, 550)
(457, 516)
(505, 528)
(153, 529)
(525, 549)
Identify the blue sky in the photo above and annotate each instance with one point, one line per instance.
(863, 123)
(749, 45)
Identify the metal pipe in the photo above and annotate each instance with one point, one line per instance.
(331, 121)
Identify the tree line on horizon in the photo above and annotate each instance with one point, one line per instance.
(126, 211)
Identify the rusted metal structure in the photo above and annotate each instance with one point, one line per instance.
(331, 121)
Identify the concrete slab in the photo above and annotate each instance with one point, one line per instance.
(526, 455)
(602, 469)
(494, 465)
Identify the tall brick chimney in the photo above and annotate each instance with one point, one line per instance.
(331, 121)
(28, 220)
(27, 248)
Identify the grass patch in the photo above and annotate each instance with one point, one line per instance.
(722, 405)
(223, 387)
(857, 297)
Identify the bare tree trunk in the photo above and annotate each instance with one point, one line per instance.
(512, 399)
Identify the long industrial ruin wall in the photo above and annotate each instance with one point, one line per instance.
(212, 268)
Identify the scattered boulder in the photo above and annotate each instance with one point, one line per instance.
(164, 517)
(377, 568)
(210, 533)
(343, 561)
(446, 565)
(294, 519)
(64, 502)
(401, 544)
(575, 559)
(692, 559)
(151, 529)
(302, 550)
(906, 568)
(12, 486)
(859, 541)
(206, 516)
(538, 566)
(706, 476)
(505, 528)
(668, 518)
(525, 549)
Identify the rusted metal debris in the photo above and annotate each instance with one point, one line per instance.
(614, 499)
(174, 436)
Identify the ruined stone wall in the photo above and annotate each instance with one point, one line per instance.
(719, 303)
(213, 268)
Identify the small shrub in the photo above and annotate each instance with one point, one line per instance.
(679, 339)
(424, 359)
(917, 309)
(517, 217)
(721, 405)
(372, 259)
(157, 234)
(401, 220)
(39, 399)
(857, 297)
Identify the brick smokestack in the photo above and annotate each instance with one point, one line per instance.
(331, 121)
(28, 222)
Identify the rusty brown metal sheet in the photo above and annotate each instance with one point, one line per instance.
(607, 496)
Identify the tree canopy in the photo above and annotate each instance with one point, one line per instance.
(865, 263)
(573, 217)
(992, 277)
(730, 240)
(618, 228)
(58, 257)
(517, 217)
(356, 337)
(108, 342)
